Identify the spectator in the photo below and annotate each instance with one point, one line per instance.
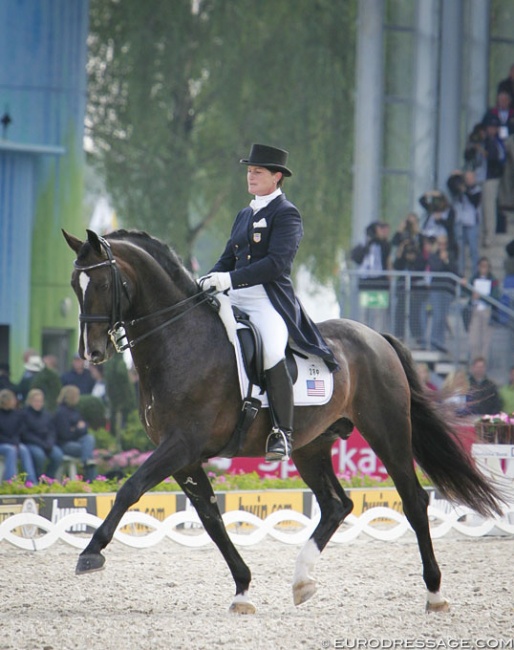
(79, 376)
(408, 230)
(72, 434)
(484, 283)
(99, 388)
(455, 390)
(483, 397)
(505, 114)
(409, 258)
(506, 184)
(424, 375)
(37, 431)
(507, 85)
(5, 377)
(32, 366)
(10, 444)
(440, 260)
(475, 158)
(439, 219)
(372, 258)
(465, 195)
(495, 155)
(507, 393)
(48, 380)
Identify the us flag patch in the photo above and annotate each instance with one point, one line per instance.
(316, 387)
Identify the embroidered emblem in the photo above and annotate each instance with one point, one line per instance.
(316, 387)
(257, 236)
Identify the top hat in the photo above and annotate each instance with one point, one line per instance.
(268, 157)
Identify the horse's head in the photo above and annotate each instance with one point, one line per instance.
(101, 292)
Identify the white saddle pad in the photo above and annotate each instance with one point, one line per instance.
(315, 383)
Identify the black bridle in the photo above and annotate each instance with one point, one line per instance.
(116, 330)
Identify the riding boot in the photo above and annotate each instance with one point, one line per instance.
(279, 387)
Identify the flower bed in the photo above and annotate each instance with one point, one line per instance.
(496, 429)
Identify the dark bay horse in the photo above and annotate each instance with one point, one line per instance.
(190, 402)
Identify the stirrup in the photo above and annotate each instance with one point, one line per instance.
(278, 445)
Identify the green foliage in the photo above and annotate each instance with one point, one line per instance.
(49, 382)
(92, 410)
(134, 435)
(105, 440)
(120, 391)
(178, 91)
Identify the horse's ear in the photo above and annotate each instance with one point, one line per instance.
(73, 242)
(92, 238)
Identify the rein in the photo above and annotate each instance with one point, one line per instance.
(117, 329)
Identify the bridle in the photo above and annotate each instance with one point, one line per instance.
(117, 332)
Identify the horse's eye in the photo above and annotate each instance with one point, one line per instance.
(105, 286)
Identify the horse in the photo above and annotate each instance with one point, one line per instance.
(190, 400)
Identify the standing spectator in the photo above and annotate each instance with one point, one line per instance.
(372, 258)
(475, 158)
(408, 230)
(37, 431)
(506, 184)
(483, 397)
(507, 85)
(441, 293)
(507, 393)
(505, 114)
(10, 444)
(484, 283)
(48, 380)
(465, 195)
(32, 366)
(5, 377)
(79, 376)
(409, 258)
(495, 155)
(99, 388)
(72, 434)
(439, 219)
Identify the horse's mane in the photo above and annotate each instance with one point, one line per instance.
(166, 257)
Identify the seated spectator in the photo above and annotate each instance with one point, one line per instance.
(5, 377)
(32, 366)
(483, 397)
(79, 376)
(37, 431)
(72, 434)
(465, 197)
(10, 445)
(507, 393)
(424, 375)
(455, 390)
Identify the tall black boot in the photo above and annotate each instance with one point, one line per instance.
(279, 387)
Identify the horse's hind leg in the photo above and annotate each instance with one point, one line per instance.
(198, 489)
(314, 463)
(398, 461)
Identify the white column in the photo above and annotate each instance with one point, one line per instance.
(477, 62)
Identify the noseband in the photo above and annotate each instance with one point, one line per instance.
(117, 331)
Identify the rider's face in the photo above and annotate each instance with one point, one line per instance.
(262, 181)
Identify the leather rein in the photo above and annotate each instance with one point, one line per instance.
(117, 332)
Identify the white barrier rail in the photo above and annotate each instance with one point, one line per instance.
(38, 533)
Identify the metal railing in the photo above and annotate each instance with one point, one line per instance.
(405, 303)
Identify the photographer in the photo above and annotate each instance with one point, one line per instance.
(440, 218)
(465, 196)
(408, 230)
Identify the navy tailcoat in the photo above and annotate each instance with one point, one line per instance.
(261, 250)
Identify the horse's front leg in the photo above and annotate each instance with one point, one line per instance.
(169, 456)
(198, 489)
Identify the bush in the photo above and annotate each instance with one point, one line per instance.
(92, 410)
(134, 436)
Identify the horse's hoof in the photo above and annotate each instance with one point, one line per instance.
(442, 606)
(89, 563)
(302, 591)
(241, 605)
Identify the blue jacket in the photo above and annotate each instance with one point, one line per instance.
(261, 250)
(37, 428)
(10, 426)
(66, 421)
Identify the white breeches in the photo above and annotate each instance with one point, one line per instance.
(254, 301)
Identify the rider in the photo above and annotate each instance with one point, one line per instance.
(256, 267)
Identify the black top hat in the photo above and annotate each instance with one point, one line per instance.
(269, 157)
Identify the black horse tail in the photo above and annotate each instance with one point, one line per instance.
(439, 451)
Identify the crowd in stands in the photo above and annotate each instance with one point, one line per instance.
(40, 421)
(442, 252)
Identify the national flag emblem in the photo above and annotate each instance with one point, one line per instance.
(316, 387)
